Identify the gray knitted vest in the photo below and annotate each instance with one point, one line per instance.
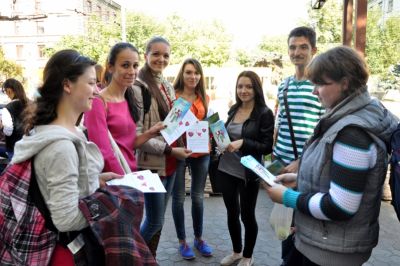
(360, 233)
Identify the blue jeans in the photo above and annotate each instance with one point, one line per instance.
(155, 205)
(199, 169)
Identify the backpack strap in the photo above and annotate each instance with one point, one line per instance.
(146, 96)
(38, 200)
(289, 118)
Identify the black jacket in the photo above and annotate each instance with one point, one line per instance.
(15, 108)
(257, 134)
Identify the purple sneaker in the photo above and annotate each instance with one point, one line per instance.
(203, 248)
(186, 251)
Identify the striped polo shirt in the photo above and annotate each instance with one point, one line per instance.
(305, 111)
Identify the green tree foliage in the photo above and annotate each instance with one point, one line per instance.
(140, 28)
(9, 69)
(95, 43)
(327, 23)
(274, 44)
(383, 35)
(383, 48)
(207, 42)
(244, 57)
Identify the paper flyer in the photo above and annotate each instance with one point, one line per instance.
(178, 120)
(251, 163)
(145, 181)
(220, 134)
(197, 137)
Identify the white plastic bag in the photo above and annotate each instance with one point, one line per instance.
(280, 220)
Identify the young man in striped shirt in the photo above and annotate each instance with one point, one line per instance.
(304, 107)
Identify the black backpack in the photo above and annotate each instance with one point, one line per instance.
(395, 170)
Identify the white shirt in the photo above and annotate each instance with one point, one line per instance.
(6, 120)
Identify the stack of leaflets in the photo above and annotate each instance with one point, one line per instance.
(251, 163)
(180, 120)
(145, 181)
(219, 131)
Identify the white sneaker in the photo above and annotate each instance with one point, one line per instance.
(246, 262)
(231, 259)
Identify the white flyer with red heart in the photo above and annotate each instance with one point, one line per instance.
(145, 181)
(198, 138)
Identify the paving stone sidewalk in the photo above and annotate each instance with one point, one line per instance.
(267, 249)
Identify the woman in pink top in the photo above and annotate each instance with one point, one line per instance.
(116, 110)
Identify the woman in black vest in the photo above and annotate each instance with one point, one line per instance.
(11, 119)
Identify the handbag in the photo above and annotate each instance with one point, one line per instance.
(213, 168)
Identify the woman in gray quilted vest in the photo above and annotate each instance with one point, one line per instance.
(337, 190)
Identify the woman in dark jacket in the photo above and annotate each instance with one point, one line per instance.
(12, 114)
(250, 126)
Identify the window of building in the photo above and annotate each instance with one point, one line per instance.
(390, 6)
(98, 10)
(89, 6)
(41, 49)
(17, 27)
(40, 27)
(20, 51)
(38, 6)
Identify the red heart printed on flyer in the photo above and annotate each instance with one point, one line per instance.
(180, 123)
(190, 133)
(199, 133)
(187, 123)
(144, 184)
(152, 188)
(140, 177)
(204, 130)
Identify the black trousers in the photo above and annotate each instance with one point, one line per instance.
(240, 201)
(295, 258)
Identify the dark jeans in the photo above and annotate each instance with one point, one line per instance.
(199, 168)
(240, 199)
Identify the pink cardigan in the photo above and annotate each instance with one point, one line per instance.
(118, 120)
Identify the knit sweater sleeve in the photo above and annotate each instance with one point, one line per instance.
(354, 154)
(96, 124)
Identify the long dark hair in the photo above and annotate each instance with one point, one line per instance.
(146, 75)
(259, 100)
(63, 65)
(200, 87)
(129, 94)
(17, 88)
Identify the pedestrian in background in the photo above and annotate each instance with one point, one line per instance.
(12, 117)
